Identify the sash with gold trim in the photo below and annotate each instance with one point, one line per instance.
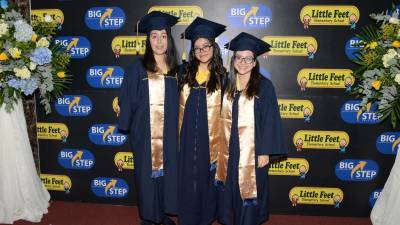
(156, 84)
(246, 130)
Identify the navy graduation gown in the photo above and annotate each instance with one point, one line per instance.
(197, 193)
(155, 196)
(268, 141)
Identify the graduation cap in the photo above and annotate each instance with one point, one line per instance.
(245, 41)
(202, 28)
(156, 20)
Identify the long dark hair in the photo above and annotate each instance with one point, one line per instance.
(252, 86)
(149, 61)
(216, 67)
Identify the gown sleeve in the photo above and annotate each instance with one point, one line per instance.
(129, 96)
(271, 134)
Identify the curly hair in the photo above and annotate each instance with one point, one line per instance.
(216, 67)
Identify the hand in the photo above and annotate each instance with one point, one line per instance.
(263, 160)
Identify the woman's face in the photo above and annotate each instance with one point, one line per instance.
(244, 62)
(159, 41)
(203, 50)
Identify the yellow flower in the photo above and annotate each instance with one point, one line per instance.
(396, 44)
(373, 45)
(376, 84)
(34, 37)
(15, 53)
(61, 74)
(3, 57)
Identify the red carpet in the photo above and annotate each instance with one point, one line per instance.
(72, 213)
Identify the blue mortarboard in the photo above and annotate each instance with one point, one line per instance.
(245, 41)
(156, 20)
(202, 28)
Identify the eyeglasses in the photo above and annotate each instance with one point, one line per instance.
(205, 48)
(247, 60)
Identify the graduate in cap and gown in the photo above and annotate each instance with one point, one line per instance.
(149, 112)
(199, 113)
(252, 135)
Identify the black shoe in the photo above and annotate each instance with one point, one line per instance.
(168, 221)
(146, 223)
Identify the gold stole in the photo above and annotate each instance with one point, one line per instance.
(156, 99)
(246, 130)
(182, 101)
(213, 116)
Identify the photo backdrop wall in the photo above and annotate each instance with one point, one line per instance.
(339, 157)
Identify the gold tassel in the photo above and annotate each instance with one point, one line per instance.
(137, 38)
(184, 57)
(228, 64)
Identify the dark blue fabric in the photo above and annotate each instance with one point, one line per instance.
(269, 141)
(245, 41)
(155, 196)
(156, 20)
(202, 28)
(197, 192)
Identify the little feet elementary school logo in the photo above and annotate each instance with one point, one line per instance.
(56, 182)
(317, 139)
(55, 15)
(186, 13)
(290, 167)
(124, 160)
(325, 78)
(316, 196)
(296, 109)
(128, 45)
(52, 131)
(328, 15)
(292, 46)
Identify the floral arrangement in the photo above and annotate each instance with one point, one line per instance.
(379, 72)
(28, 60)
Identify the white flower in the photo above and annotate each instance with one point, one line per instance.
(48, 19)
(391, 53)
(394, 20)
(32, 66)
(397, 78)
(23, 31)
(43, 42)
(3, 29)
(23, 73)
